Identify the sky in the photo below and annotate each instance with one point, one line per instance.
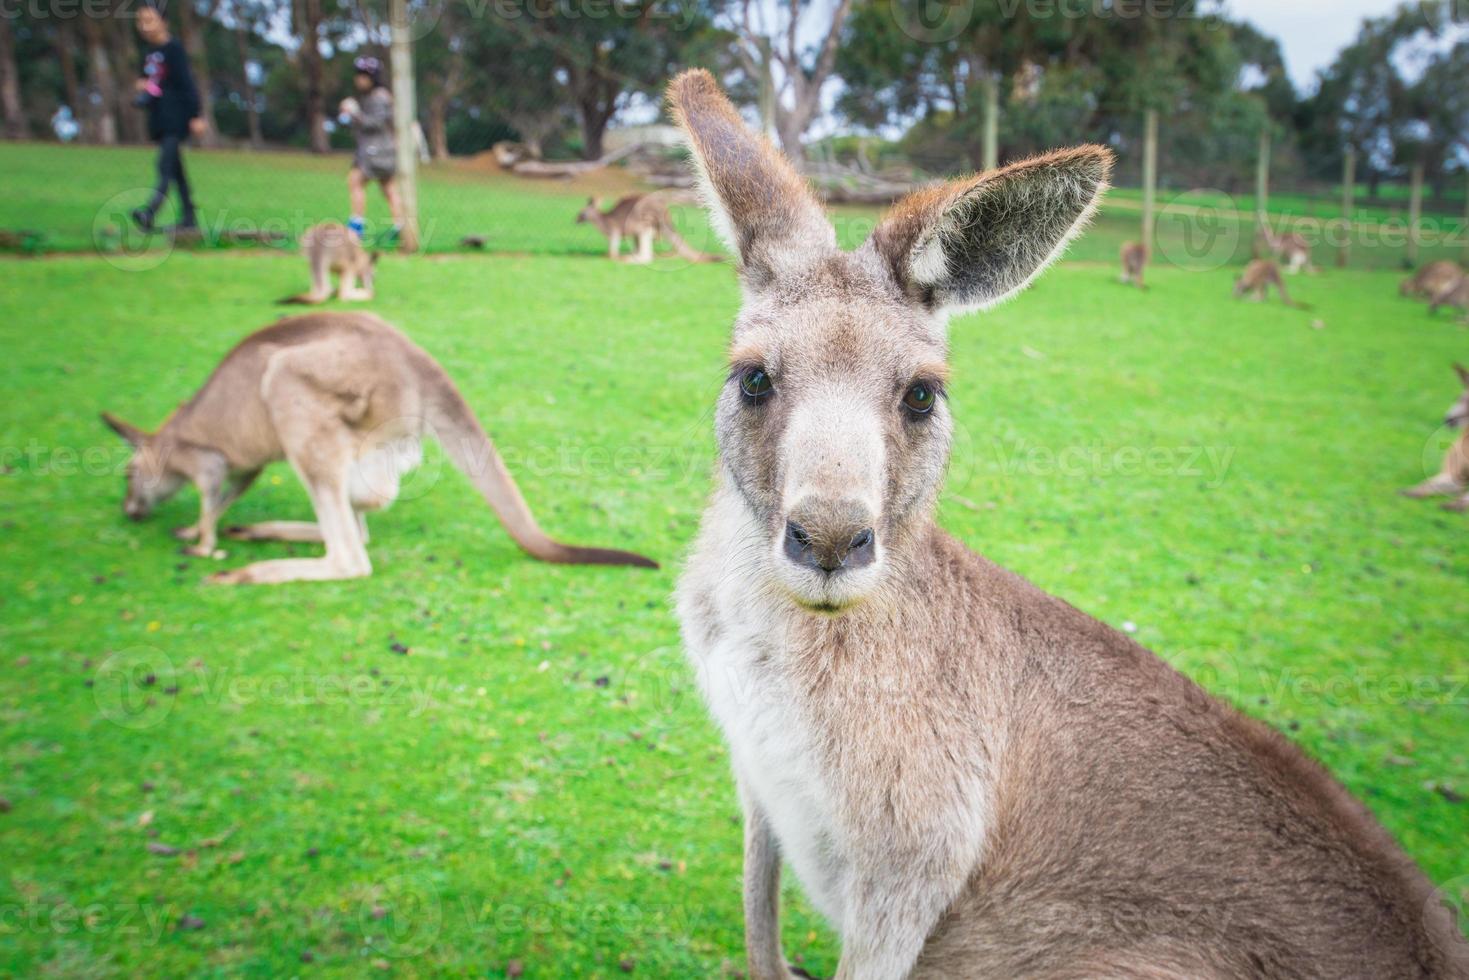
(1311, 32)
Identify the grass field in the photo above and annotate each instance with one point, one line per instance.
(286, 193)
(257, 782)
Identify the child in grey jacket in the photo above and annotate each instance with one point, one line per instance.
(371, 119)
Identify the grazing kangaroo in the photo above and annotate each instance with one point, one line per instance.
(1455, 294)
(1256, 279)
(1290, 247)
(1453, 479)
(331, 248)
(347, 400)
(1134, 261)
(970, 777)
(642, 217)
(1430, 280)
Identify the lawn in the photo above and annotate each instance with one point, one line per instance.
(475, 764)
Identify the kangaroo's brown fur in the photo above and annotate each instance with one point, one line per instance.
(1258, 277)
(347, 400)
(1134, 263)
(640, 218)
(1430, 280)
(1453, 479)
(971, 778)
(331, 249)
(1454, 293)
(1290, 247)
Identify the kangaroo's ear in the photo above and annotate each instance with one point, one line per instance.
(1463, 373)
(762, 209)
(971, 243)
(134, 435)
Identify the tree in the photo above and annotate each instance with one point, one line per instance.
(191, 36)
(791, 97)
(306, 18)
(15, 122)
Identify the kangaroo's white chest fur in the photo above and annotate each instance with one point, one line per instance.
(834, 826)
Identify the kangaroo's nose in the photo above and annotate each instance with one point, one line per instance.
(830, 537)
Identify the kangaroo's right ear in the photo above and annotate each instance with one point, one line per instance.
(134, 435)
(1463, 373)
(762, 209)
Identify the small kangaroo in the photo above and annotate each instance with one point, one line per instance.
(1290, 247)
(1455, 294)
(1428, 281)
(642, 217)
(1134, 262)
(970, 777)
(347, 400)
(1256, 279)
(331, 248)
(1453, 479)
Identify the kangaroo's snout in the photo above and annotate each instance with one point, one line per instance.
(830, 536)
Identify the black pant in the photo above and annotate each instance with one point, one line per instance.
(171, 169)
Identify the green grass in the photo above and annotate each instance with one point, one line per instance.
(87, 209)
(536, 779)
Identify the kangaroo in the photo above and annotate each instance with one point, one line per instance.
(1428, 281)
(1290, 247)
(642, 217)
(970, 777)
(1454, 477)
(1258, 277)
(1134, 262)
(1454, 293)
(347, 400)
(330, 248)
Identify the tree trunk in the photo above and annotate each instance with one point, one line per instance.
(1465, 232)
(1348, 195)
(133, 123)
(242, 46)
(191, 35)
(101, 108)
(405, 113)
(438, 125)
(66, 55)
(308, 30)
(17, 126)
(1150, 174)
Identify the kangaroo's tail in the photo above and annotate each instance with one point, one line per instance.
(468, 446)
(303, 299)
(683, 248)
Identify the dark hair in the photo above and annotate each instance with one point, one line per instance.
(371, 67)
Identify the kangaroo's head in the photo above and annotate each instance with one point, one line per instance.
(833, 424)
(152, 472)
(1458, 413)
(591, 212)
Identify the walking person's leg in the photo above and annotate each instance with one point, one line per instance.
(168, 150)
(187, 218)
(395, 202)
(357, 191)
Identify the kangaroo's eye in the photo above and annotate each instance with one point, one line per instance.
(755, 384)
(920, 398)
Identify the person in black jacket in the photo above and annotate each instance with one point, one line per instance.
(166, 89)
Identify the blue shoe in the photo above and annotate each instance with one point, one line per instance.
(357, 226)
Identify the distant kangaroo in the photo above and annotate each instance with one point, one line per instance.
(1428, 281)
(1256, 279)
(331, 248)
(1291, 247)
(1453, 479)
(641, 217)
(1134, 262)
(347, 400)
(971, 778)
(1454, 293)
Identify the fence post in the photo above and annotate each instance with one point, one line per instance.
(1415, 212)
(1150, 174)
(1348, 197)
(405, 113)
(990, 144)
(1262, 177)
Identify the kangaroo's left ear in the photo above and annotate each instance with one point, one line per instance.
(134, 435)
(1463, 373)
(969, 244)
